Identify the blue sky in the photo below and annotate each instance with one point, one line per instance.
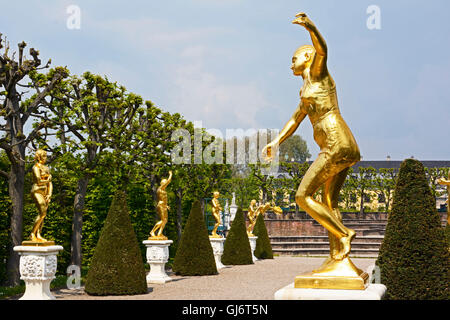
(226, 62)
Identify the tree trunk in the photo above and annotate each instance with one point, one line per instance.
(16, 193)
(77, 222)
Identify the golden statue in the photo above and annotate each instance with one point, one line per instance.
(446, 182)
(338, 152)
(41, 192)
(268, 206)
(216, 208)
(251, 214)
(161, 209)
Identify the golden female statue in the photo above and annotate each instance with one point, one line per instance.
(41, 192)
(161, 209)
(338, 150)
(446, 182)
(216, 208)
(251, 214)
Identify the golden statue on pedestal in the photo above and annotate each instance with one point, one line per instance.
(161, 208)
(338, 152)
(446, 182)
(216, 208)
(41, 192)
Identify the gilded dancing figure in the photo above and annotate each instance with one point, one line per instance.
(161, 208)
(338, 148)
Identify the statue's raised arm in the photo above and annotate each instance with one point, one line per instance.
(319, 63)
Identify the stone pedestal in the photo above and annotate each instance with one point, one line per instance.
(372, 292)
(252, 240)
(217, 246)
(37, 269)
(157, 257)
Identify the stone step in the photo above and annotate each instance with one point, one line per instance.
(373, 253)
(298, 239)
(307, 245)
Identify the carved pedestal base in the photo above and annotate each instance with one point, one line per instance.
(253, 246)
(37, 269)
(157, 257)
(217, 246)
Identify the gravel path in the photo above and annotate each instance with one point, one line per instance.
(258, 281)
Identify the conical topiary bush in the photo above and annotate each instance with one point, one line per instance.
(413, 258)
(117, 267)
(263, 249)
(236, 249)
(194, 256)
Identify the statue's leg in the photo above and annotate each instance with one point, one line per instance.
(41, 225)
(317, 175)
(332, 189)
(216, 225)
(39, 200)
(158, 224)
(163, 221)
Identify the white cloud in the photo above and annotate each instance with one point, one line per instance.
(203, 96)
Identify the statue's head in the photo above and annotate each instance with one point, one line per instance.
(302, 59)
(40, 156)
(253, 202)
(216, 194)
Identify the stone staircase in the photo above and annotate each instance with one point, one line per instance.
(369, 236)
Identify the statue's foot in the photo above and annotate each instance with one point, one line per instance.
(345, 245)
(41, 238)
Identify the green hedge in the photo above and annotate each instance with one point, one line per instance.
(414, 257)
(236, 249)
(195, 256)
(263, 248)
(117, 267)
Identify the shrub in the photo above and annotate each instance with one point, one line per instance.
(117, 267)
(236, 250)
(413, 258)
(263, 248)
(195, 256)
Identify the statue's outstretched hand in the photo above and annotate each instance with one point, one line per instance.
(303, 20)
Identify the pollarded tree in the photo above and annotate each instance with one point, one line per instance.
(263, 249)
(236, 249)
(117, 267)
(364, 179)
(414, 258)
(384, 184)
(195, 255)
(19, 79)
(87, 113)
